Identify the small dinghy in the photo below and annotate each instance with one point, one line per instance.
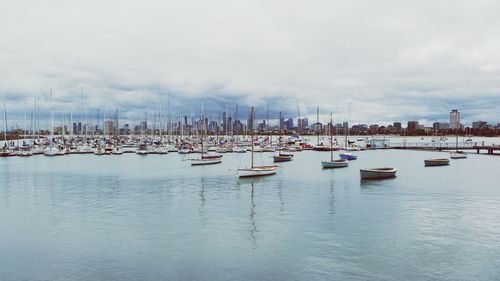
(282, 157)
(378, 173)
(437, 162)
(458, 155)
(348, 156)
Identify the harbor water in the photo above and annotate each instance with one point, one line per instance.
(154, 217)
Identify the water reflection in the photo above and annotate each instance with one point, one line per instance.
(280, 195)
(201, 193)
(331, 210)
(253, 225)
(368, 183)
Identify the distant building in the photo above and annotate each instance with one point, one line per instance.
(251, 120)
(282, 122)
(455, 119)
(478, 124)
(397, 126)
(144, 125)
(440, 125)
(412, 126)
(108, 127)
(289, 124)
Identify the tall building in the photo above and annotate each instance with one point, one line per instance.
(108, 127)
(454, 119)
(282, 122)
(412, 125)
(251, 120)
(397, 126)
(289, 124)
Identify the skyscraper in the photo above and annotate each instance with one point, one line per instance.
(454, 119)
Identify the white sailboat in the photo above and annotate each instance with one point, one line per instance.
(52, 150)
(256, 171)
(5, 151)
(333, 163)
(205, 159)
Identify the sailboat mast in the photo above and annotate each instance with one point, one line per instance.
(317, 124)
(331, 136)
(251, 114)
(5, 119)
(203, 126)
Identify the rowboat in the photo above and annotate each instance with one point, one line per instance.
(437, 162)
(378, 173)
(283, 157)
(458, 155)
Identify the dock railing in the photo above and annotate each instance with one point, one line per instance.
(434, 145)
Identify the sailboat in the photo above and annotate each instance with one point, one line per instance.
(205, 159)
(52, 150)
(281, 157)
(347, 155)
(457, 154)
(255, 171)
(333, 163)
(5, 151)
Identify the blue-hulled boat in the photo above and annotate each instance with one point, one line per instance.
(348, 156)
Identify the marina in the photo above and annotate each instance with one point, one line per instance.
(249, 141)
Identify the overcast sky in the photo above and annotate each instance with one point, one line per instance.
(393, 60)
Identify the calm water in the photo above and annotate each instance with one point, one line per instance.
(84, 217)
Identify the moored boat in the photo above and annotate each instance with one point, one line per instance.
(283, 157)
(339, 163)
(348, 156)
(458, 155)
(437, 162)
(378, 173)
(256, 171)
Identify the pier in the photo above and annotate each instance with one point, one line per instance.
(440, 146)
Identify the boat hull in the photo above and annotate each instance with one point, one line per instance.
(436, 162)
(256, 171)
(348, 157)
(334, 164)
(378, 173)
(283, 158)
(458, 155)
(199, 162)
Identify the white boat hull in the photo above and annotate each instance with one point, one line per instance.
(256, 171)
(197, 162)
(335, 164)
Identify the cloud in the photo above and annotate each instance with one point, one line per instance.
(392, 60)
